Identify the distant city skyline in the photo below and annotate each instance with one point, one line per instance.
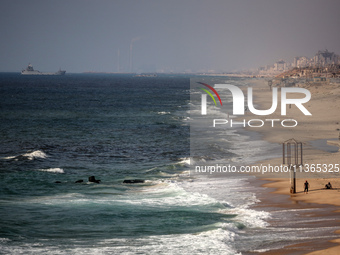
(163, 36)
(322, 58)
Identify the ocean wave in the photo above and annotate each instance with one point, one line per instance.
(35, 155)
(9, 157)
(29, 155)
(216, 241)
(169, 193)
(238, 204)
(184, 161)
(53, 170)
(4, 240)
(252, 218)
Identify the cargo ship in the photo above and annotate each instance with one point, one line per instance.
(30, 71)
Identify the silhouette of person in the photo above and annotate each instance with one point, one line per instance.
(328, 186)
(306, 184)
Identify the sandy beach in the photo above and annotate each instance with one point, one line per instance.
(322, 126)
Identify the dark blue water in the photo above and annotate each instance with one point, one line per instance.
(95, 122)
(56, 130)
(62, 129)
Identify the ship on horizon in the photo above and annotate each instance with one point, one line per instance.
(30, 71)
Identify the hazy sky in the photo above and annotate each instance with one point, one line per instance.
(171, 35)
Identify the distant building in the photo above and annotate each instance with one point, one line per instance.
(281, 65)
(323, 58)
(301, 62)
(322, 62)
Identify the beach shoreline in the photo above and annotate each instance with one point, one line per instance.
(300, 215)
(323, 125)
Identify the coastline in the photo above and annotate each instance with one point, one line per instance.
(312, 224)
(323, 124)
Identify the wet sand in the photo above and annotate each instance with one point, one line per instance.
(298, 216)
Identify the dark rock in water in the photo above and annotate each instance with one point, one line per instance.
(134, 181)
(58, 182)
(93, 179)
(79, 181)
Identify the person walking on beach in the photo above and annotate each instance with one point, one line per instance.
(306, 184)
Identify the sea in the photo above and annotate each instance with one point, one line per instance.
(57, 131)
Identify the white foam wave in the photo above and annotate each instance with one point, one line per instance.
(29, 155)
(169, 193)
(9, 157)
(4, 240)
(252, 218)
(185, 161)
(163, 113)
(235, 192)
(53, 170)
(162, 195)
(210, 242)
(35, 154)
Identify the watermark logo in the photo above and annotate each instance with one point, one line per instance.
(239, 105)
(204, 97)
(238, 101)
